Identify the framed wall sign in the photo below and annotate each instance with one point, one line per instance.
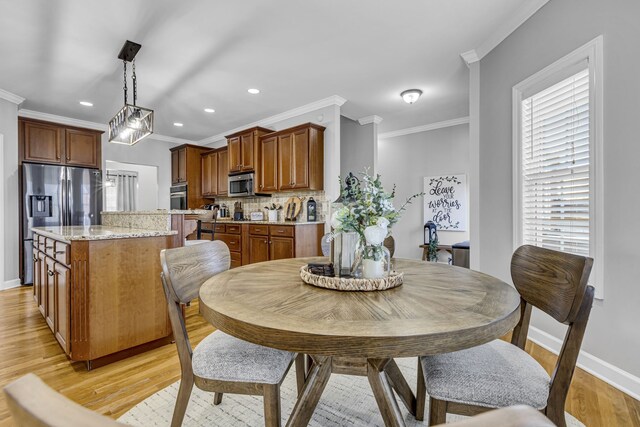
(445, 201)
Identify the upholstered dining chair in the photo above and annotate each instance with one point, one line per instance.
(34, 404)
(220, 363)
(499, 374)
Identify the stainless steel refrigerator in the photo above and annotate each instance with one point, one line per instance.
(54, 196)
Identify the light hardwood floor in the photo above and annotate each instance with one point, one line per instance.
(27, 345)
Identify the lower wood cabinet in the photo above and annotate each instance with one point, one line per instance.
(271, 242)
(102, 299)
(281, 248)
(258, 249)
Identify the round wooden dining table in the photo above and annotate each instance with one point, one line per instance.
(438, 309)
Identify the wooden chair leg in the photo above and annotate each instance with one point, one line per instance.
(437, 412)
(301, 372)
(184, 393)
(421, 393)
(271, 398)
(556, 415)
(217, 398)
(308, 361)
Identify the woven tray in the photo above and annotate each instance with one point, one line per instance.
(351, 284)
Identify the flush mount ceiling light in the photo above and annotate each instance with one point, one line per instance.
(132, 123)
(178, 124)
(86, 103)
(411, 95)
(253, 91)
(209, 110)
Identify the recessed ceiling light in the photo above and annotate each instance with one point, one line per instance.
(209, 110)
(254, 91)
(86, 103)
(178, 124)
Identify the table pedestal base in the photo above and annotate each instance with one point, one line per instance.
(384, 377)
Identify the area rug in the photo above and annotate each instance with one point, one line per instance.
(346, 401)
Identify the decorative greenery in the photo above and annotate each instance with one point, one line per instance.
(369, 211)
(433, 249)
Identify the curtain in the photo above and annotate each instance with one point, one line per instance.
(126, 189)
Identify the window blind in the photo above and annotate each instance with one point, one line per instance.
(556, 183)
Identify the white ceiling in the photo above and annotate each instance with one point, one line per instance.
(198, 54)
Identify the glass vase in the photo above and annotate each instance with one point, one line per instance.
(374, 262)
(344, 250)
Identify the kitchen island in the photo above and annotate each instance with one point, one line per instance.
(99, 290)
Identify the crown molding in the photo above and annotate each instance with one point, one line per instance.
(504, 30)
(470, 56)
(37, 115)
(69, 121)
(326, 102)
(424, 128)
(11, 97)
(171, 139)
(370, 119)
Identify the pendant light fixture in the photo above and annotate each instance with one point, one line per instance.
(132, 123)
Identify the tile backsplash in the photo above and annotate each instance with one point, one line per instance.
(257, 204)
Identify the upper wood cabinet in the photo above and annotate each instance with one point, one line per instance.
(45, 142)
(215, 175)
(268, 179)
(300, 159)
(186, 168)
(223, 172)
(244, 154)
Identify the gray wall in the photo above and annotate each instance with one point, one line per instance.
(558, 28)
(405, 161)
(147, 152)
(9, 128)
(357, 147)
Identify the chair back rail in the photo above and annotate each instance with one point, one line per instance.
(34, 404)
(186, 269)
(552, 281)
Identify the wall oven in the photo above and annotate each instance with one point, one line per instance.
(178, 197)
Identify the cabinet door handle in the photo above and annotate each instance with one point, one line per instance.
(50, 273)
(68, 158)
(49, 247)
(260, 185)
(60, 252)
(35, 259)
(266, 241)
(280, 231)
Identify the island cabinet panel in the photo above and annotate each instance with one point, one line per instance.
(103, 299)
(269, 171)
(42, 283)
(62, 327)
(44, 142)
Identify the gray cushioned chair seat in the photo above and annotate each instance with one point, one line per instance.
(495, 375)
(223, 357)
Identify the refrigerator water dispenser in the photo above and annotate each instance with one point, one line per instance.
(40, 206)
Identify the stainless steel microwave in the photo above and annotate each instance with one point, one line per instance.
(242, 185)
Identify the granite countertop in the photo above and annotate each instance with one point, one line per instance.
(159, 212)
(98, 232)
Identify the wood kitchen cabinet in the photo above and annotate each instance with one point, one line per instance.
(102, 311)
(269, 171)
(215, 175)
(243, 146)
(52, 143)
(271, 242)
(186, 168)
(299, 164)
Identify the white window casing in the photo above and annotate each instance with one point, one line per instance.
(557, 158)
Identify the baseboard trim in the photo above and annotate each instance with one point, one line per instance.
(616, 377)
(9, 284)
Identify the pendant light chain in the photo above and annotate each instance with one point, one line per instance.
(135, 85)
(125, 82)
